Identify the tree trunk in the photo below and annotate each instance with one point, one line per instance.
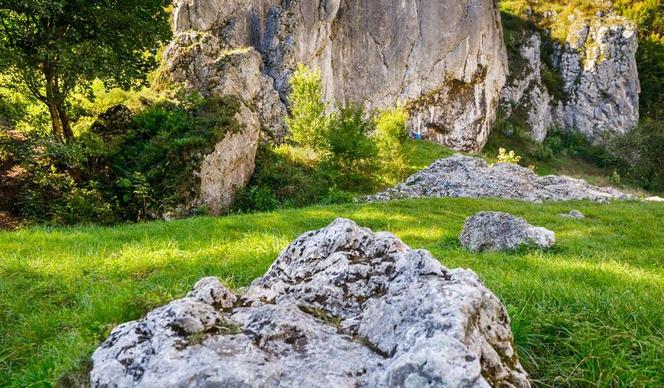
(64, 120)
(56, 107)
(55, 120)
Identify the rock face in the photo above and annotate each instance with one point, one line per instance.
(597, 67)
(445, 60)
(229, 167)
(525, 94)
(464, 176)
(495, 231)
(341, 306)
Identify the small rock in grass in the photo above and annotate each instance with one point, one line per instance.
(654, 199)
(496, 231)
(574, 214)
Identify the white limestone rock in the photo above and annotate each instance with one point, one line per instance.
(496, 231)
(445, 60)
(599, 69)
(574, 214)
(341, 306)
(526, 92)
(468, 177)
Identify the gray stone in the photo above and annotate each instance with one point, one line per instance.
(599, 69)
(526, 93)
(445, 60)
(465, 176)
(496, 231)
(342, 307)
(597, 65)
(574, 214)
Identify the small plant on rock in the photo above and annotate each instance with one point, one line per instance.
(508, 157)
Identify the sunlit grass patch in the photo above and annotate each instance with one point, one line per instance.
(587, 312)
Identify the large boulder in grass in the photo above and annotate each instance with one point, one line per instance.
(496, 231)
(340, 307)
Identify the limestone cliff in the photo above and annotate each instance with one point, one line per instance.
(445, 59)
(595, 66)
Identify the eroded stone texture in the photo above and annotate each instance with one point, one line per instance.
(599, 95)
(445, 59)
(342, 307)
(496, 231)
(525, 94)
(598, 66)
(465, 176)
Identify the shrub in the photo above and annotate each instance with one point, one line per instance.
(139, 170)
(639, 154)
(350, 151)
(390, 137)
(307, 120)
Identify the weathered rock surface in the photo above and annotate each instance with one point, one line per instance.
(465, 176)
(445, 59)
(525, 94)
(598, 69)
(341, 306)
(228, 169)
(496, 231)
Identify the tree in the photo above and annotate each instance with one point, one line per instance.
(308, 121)
(53, 47)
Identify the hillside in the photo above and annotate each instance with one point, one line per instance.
(581, 312)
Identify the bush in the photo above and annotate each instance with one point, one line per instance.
(639, 155)
(350, 152)
(390, 137)
(141, 169)
(307, 121)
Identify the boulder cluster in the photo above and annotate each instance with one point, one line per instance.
(341, 306)
(469, 177)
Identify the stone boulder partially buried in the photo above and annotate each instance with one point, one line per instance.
(340, 307)
(468, 177)
(496, 231)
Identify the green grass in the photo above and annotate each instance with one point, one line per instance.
(588, 312)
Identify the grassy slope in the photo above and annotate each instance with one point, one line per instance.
(588, 311)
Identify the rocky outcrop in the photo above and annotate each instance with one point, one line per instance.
(341, 306)
(444, 59)
(525, 96)
(464, 176)
(496, 231)
(228, 169)
(596, 67)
